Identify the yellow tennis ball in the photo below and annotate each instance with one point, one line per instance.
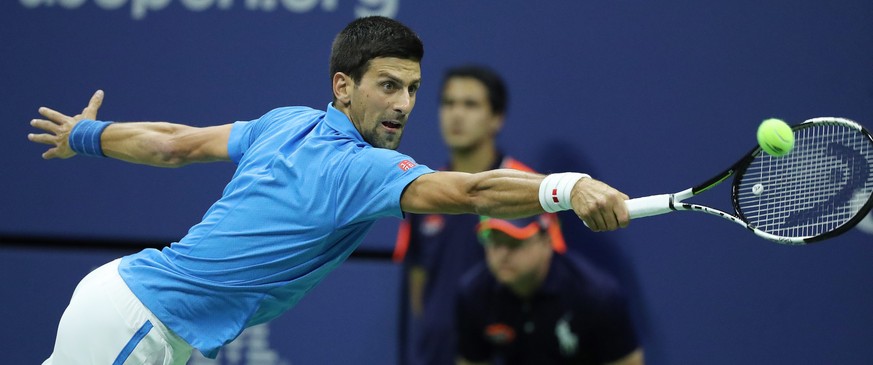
(775, 137)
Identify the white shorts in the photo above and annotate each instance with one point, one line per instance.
(106, 324)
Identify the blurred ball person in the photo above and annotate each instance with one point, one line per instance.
(528, 305)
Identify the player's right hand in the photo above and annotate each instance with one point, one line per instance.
(600, 206)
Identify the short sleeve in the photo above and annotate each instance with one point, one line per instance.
(239, 141)
(373, 184)
(244, 134)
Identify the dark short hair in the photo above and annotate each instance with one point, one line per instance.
(371, 37)
(498, 96)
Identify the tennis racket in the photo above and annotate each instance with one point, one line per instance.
(819, 190)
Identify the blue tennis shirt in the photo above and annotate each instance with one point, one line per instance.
(306, 191)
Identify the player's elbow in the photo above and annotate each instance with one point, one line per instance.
(170, 153)
(172, 148)
(181, 145)
(475, 196)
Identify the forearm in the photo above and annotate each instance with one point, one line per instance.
(511, 193)
(505, 193)
(141, 142)
(499, 193)
(159, 144)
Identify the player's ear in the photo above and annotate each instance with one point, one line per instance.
(342, 87)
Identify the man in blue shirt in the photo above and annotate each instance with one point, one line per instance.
(308, 187)
(528, 305)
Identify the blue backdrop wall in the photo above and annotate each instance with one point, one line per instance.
(649, 96)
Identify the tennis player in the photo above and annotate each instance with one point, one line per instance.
(309, 185)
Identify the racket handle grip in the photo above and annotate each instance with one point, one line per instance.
(649, 205)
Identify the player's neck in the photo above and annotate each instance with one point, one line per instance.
(476, 159)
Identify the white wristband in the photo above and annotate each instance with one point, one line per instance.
(555, 191)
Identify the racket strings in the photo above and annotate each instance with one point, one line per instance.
(818, 187)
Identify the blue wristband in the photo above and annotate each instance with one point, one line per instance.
(85, 137)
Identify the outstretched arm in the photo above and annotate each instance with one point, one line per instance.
(507, 193)
(165, 144)
(152, 143)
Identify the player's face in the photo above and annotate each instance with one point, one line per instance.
(383, 99)
(517, 262)
(466, 119)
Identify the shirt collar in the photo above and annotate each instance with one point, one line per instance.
(341, 123)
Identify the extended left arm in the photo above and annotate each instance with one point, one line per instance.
(151, 143)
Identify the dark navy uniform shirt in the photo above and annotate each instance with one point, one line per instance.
(578, 316)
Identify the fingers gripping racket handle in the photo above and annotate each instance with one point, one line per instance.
(649, 205)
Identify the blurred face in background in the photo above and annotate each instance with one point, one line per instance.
(466, 117)
(516, 263)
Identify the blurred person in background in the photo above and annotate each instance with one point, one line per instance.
(528, 305)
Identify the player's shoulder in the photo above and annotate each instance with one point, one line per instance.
(288, 113)
(373, 158)
(284, 118)
(377, 168)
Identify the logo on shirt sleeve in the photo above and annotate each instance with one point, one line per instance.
(405, 165)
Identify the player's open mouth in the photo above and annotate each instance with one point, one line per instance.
(392, 125)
